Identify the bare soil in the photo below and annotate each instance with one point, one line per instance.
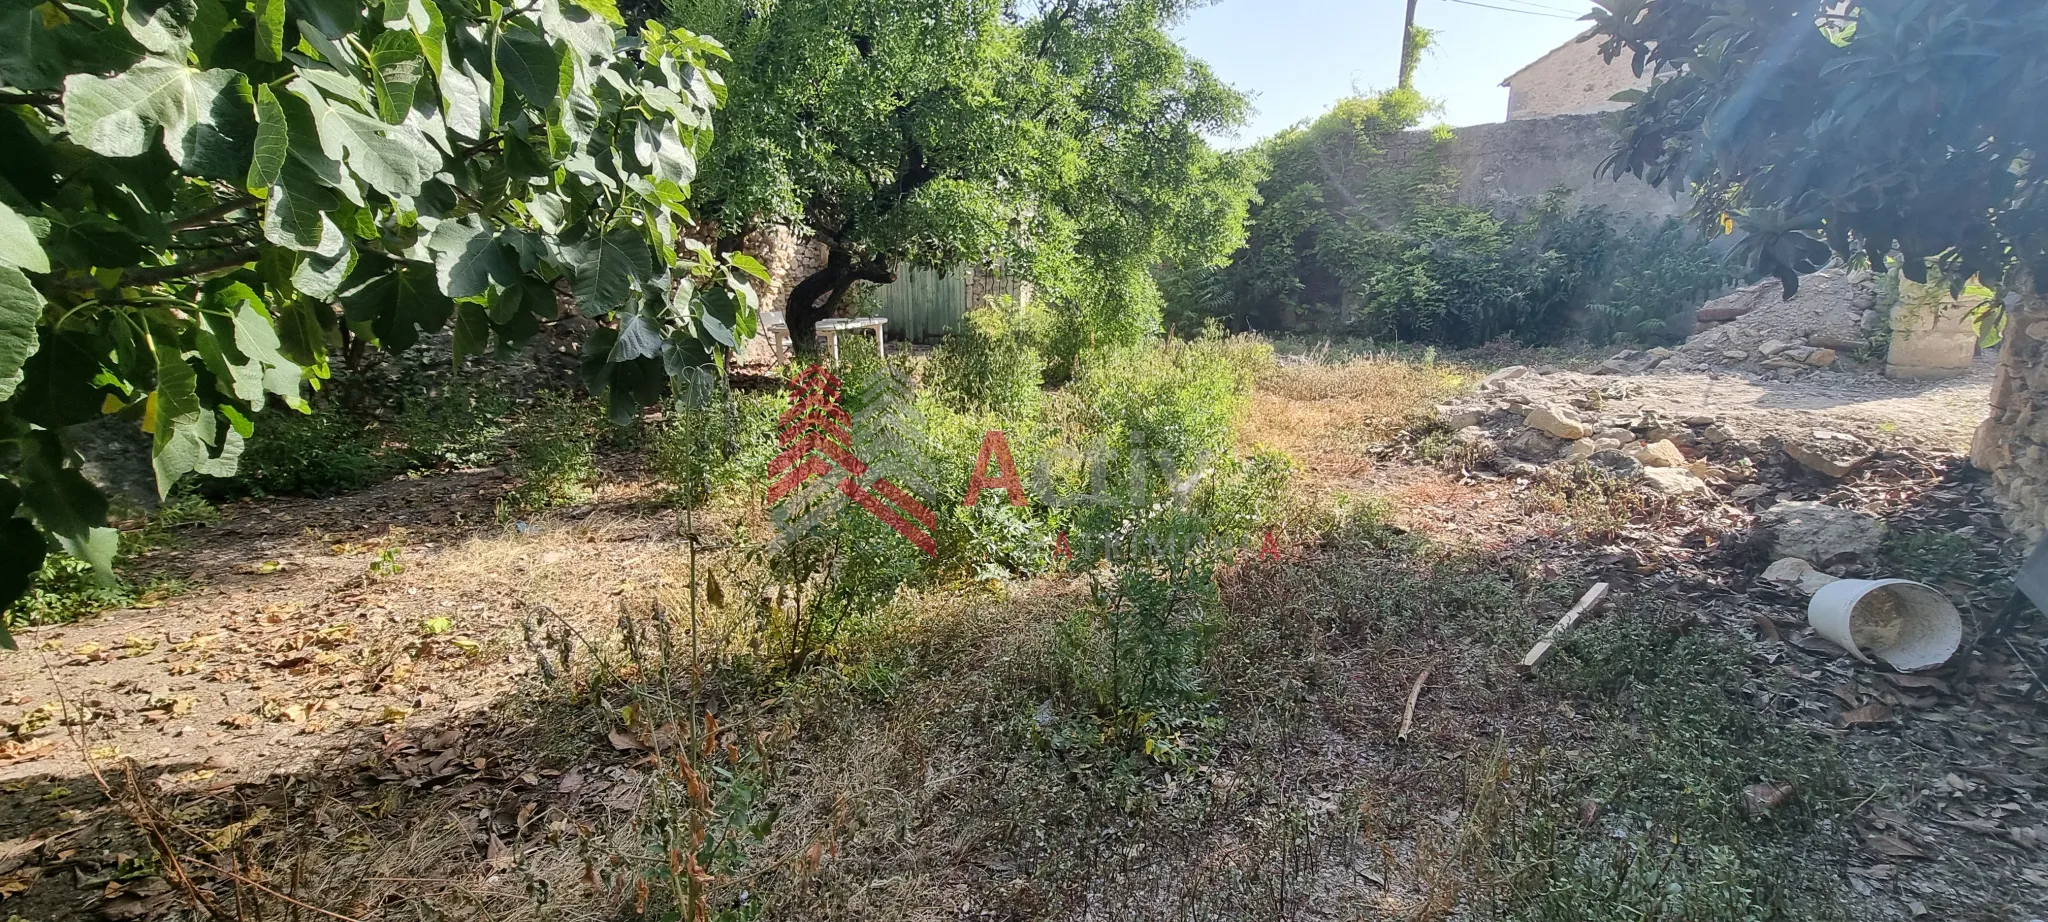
(309, 674)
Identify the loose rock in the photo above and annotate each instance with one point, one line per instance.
(1672, 481)
(1834, 454)
(1560, 422)
(1820, 533)
(1794, 573)
(1660, 453)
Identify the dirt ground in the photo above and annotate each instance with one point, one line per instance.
(390, 635)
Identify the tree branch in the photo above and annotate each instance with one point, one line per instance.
(222, 210)
(156, 275)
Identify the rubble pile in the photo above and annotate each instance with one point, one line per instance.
(1829, 323)
(1515, 426)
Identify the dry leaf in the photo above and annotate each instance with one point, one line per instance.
(1760, 799)
(625, 742)
(1894, 847)
(1589, 811)
(1867, 715)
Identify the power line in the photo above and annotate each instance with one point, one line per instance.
(1509, 9)
(1540, 6)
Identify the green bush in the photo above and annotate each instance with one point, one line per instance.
(554, 453)
(994, 362)
(321, 454)
(64, 591)
(460, 424)
(718, 442)
(1348, 239)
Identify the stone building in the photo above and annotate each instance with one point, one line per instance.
(1571, 80)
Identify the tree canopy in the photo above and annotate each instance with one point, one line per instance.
(1868, 126)
(201, 199)
(1065, 140)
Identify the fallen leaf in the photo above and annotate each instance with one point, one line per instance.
(1867, 715)
(1894, 847)
(625, 742)
(1760, 799)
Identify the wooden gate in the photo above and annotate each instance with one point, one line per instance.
(924, 304)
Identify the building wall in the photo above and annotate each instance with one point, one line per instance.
(1515, 163)
(2013, 443)
(1570, 80)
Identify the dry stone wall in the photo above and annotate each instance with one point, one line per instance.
(2013, 443)
(1516, 163)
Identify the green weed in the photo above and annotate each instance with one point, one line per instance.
(554, 453)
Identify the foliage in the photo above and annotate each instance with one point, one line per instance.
(1064, 140)
(1352, 236)
(1677, 751)
(715, 442)
(202, 199)
(1173, 405)
(323, 453)
(65, 590)
(554, 454)
(1871, 126)
(994, 362)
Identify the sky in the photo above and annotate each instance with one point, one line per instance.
(1297, 57)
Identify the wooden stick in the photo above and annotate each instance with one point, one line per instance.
(1408, 714)
(1541, 651)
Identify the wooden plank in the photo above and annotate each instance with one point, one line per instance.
(1541, 651)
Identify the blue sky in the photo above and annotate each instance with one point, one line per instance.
(1296, 57)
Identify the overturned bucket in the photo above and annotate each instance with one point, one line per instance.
(1907, 624)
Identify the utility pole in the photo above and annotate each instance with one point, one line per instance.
(1408, 50)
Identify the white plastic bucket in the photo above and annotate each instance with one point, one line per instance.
(1907, 624)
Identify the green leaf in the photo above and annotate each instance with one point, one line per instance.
(748, 265)
(273, 140)
(269, 31)
(18, 244)
(719, 316)
(297, 216)
(472, 331)
(176, 420)
(21, 307)
(468, 259)
(301, 337)
(65, 504)
(22, 549)
(607, 10)
(331, 18)
(318, 276)
(392, 159)
(206, 127)
(530, 64)
(162, 26)
(399, 305)
(610, 270)
(398, 68)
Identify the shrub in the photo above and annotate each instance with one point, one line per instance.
(714, 443)
(321, 454)
(461, 423)
(994, 361)
(554, 453)
(65, 590)
(1175, 403)
(1348, 239)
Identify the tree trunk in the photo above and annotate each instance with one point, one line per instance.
(818, 296)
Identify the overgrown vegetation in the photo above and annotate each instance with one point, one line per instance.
(1357, 232)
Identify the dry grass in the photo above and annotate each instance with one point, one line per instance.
(1326, 414)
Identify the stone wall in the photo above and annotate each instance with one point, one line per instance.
(1572, 79)
(1932, 333)
(2013, 443)
(1515, 163)
(789, 259)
